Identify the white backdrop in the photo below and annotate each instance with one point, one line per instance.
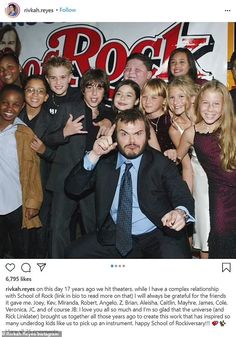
(106, 45)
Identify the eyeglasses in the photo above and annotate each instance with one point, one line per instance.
(39, 91)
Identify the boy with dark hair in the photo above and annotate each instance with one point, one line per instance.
(73, 131)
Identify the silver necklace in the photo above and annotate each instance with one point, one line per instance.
(155, 124)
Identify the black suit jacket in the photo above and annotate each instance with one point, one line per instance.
(41, 129)
(160, 190)
(69, 150)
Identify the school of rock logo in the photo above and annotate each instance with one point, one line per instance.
(87, 46)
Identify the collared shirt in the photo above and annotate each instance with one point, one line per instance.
(140, 223)
(10, 187)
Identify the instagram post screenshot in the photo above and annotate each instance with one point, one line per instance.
(117, 169)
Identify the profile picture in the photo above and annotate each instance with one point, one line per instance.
(12, 10)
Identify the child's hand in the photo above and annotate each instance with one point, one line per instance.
(171, 154)
(104, 127)
(74, 127)
(37, 145)
(31, 213)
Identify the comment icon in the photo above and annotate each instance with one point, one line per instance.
(26, 267)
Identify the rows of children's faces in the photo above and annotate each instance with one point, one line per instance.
(13, 102)
(59, 79)
(179, 101)
(36, 91)
(125, 97)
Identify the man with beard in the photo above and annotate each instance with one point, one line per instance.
(158, 208)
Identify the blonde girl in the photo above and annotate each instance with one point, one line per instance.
(154, 105)
(181, 95)
(214, 139)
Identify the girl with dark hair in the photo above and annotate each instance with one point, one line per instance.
(10, 69)
(182, 63)
(126, 96)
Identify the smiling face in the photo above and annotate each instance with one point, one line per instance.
(11, 104)
(137, 71)
(9, 70)
(131, 138)
(178, 101)
(125, 98)
(179, 65)
(152, 103)
(211, 106)
(35, 94)
(59, 79)
(93, 94)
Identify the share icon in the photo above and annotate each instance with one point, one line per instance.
(41, 266)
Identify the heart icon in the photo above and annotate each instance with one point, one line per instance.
(10, 266)
(214, 323)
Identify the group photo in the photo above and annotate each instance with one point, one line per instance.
(118, 140)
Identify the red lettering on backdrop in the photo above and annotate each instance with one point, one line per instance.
(170, 38)
(80, 45)
(32, 67)
(86, 46)
(192, 43)
(112, 57)
(153, 48)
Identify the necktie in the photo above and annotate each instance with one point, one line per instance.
(124, 213)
